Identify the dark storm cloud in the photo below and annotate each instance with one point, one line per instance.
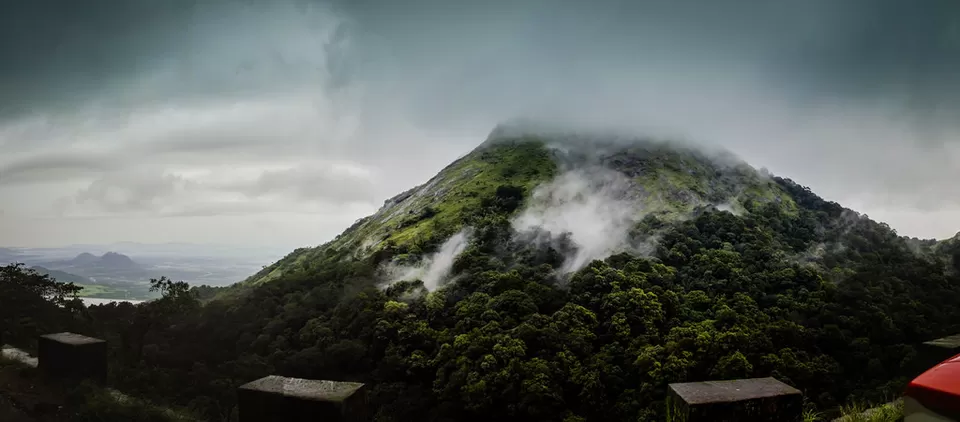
(857, 98)
(60, 54)
(63, 53)
(59, 51)
(907, 51)
(871, 50)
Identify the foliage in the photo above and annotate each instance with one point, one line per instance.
(858, 412)
(94, 290)
(91, 403)
(811, 415)
(16, 278)
(22, 387)
(34, 303)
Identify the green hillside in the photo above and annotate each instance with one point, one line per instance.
(63, 276)
(561, 278)
(87, 286)
(421, 218)
(671, 182)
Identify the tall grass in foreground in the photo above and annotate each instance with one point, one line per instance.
(860, 412)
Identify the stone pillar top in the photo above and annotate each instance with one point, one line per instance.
(949, 342)
(71, 355)
(314, 390)
(694, 393)
(72, 338)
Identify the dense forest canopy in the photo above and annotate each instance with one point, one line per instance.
(453, 306)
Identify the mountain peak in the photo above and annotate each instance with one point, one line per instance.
(109, 259)
(84, 258)
(115, 259)
(644, 249)
(597, 187)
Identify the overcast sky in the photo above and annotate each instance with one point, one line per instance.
(281, 122)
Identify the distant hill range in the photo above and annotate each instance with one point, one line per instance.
(126, 268)
(117, 261)
(87, 262)
(62, 276)
(8, 255)
(85, 258)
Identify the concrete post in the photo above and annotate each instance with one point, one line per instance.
(932, 352)
(276, 398)
(744, 400)
(74, 356)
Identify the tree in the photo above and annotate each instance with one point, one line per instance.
(34, 303)
(176, 299)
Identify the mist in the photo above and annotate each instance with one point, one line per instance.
(434, 269)
(594, 208)
(196, 109)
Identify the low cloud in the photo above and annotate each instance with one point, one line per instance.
(227, 190)
(594, 208)
(132, 192)
(313, 182)
(434, 269)
(52, 168)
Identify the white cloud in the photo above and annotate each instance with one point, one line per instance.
(435, 268)
(596, 207)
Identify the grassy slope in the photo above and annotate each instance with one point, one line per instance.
(678, 180)
(675, 180)
(858, 412)
(62, 276)
(451, 195)
(94, 290)
(88, 288)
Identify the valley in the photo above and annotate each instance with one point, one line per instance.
(113, 275)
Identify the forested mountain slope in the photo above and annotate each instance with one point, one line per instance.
(641, 177)
(551, 277)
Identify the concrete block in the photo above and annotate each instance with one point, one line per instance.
(72, 356)
(935, 351)
(743, 400)
(276, 398)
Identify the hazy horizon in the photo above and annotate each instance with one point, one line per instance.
(148, 244)
(280, 123)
